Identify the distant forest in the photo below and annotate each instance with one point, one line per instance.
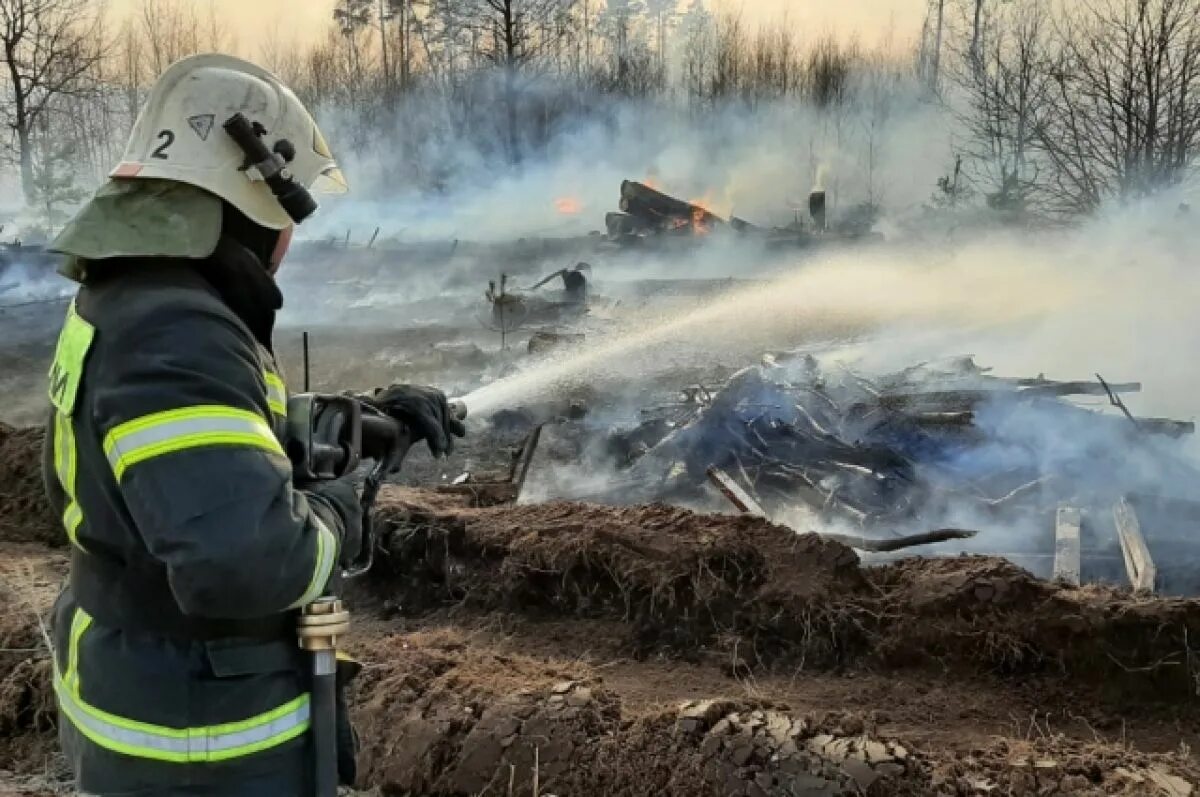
(1055, 107)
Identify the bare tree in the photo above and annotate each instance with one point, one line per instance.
(830, 67)
(283, 57)
(878, 91)
(932, 35)
(975, 55)
(514, 37)
(49, 51)
(1125, 116)
(699, 42)
(1007, 88)
(174, 29)
(662, 15)
(729, 59)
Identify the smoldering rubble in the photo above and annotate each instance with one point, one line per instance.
(946, 451)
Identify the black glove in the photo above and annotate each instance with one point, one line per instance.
(340, 498)
(426, 412)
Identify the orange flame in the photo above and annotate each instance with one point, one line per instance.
(700, 211)
(568, 205)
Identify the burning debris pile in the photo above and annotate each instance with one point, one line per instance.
(647, 212)
(936, 445)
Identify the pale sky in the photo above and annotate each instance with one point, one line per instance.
(869, 19)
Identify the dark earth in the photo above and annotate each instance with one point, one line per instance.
(572, 649)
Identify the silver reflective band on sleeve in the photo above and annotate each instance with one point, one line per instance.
(189, 427)
(188, 745)
(326, 558)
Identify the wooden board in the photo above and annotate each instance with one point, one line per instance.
(1138, 563)
(1066, 545)
(734, 492)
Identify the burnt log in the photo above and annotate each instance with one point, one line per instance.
(620, 225)
(659, 209)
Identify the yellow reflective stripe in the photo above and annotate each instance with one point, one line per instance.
(323, 569)
(176, 745)
(66, 463)
(72, 520)
(60, 450)
(186, 428)
(79, 623)
(276, 393)
(70, 354)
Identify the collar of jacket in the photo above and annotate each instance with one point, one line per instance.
(245, 286)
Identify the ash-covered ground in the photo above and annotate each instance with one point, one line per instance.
(606, 621)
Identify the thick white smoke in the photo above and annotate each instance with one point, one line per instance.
(759, 163)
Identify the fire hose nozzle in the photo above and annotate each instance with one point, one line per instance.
(321, 623)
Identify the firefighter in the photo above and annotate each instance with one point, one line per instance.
(176, 666)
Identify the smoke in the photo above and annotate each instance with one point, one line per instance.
(972, 290)
(439, 181)
(22, 282)
(1115, 296)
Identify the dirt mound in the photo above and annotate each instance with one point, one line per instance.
(25, 515)
(27, 698)
(448, 713)
(30, 578)
(759, 594)
(993, 613)
(445, 718)
(1061, 766)
(674, 576)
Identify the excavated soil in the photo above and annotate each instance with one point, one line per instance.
(582, 650)
(751, 595)
(452, 713)
(24, 514)
(30, 577)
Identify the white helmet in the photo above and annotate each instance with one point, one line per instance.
(179, 135)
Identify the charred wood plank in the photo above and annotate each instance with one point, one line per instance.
(621, 224)
(966, 398)
(1165, 426)
(482, 494)
(943, 419)
(1066, 545)
(735, 493)
(521, 466)
(1138, 562)
(1042, 387)
(887, 545)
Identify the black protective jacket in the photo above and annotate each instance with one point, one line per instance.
(176, 666)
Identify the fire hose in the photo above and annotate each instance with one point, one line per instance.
(328, 436)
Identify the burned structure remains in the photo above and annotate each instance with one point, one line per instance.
(1020, 467)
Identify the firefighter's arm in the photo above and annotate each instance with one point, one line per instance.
(184, 412)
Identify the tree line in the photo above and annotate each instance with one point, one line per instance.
(1055, 107)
